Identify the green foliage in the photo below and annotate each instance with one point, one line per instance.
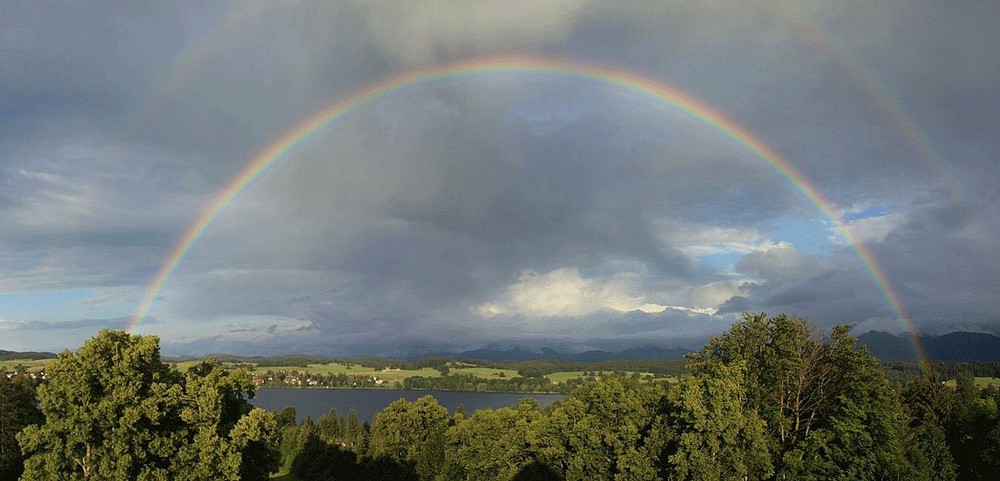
(929, 404)
(493, 444)
(287, 417)
(973, 430)
(829, 410)
(601, 431)
(330, 427)
(411, 432)
(708, 433)
(17, 410)
(770, 399)
(114, 410)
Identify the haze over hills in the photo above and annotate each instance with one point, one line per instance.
(954, 346)
(11, 355)
(523, 354)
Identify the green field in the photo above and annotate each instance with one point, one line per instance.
(353, 370)
(563, 376)
(981, 382)
(484, 372)
(183, 366)
(31, 364)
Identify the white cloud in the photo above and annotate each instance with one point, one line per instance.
(871, 229)
(699, 240)
(862, 222)
(566, 293)
(6, 325)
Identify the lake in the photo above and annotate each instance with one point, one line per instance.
(368, 402)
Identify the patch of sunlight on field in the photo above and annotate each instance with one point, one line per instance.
(283, 475)
(183, 366)
(31, 365)
(981, 382)
(564, 376)
(354, 370)
(484, 372)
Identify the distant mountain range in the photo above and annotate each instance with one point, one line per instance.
(954, 346)
(11, 355)
(521, 354)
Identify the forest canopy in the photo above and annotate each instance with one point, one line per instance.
(772, 398)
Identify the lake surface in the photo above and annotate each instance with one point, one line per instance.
(368, 402)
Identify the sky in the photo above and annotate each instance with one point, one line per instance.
(530, 207)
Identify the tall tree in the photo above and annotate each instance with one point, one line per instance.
(353, 431)
(828, 408)
(330, 427)
(114, 410)
(974, 430)
(411, 433)
(287, 417)
(929, 403)
(708, 435)
(785, 373)
(493, 444)
(601, 431)
(18, 408)
(859, 435)
(229, 438)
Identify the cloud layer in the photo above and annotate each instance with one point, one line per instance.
(507, 208)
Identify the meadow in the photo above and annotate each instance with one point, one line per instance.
(32, 365)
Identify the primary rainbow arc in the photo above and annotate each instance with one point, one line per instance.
(642, 86)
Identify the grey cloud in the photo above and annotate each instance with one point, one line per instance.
(391, 225)
(735, 304)
(87, 324)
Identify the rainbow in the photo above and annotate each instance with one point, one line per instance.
(881, 97)
(641, 86)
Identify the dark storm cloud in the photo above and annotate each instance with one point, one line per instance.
(447, 212)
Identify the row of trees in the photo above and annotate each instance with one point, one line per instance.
(767, 400)
(114, 410)
(770, 399)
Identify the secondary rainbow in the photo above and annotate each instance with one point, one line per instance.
(621, 79)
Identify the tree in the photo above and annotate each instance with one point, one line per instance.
(287, 417)
(859, 435)
(406, 432)
(493, 444)
(353, 431)
(785, 374)
(929, 403)
(17, 409)
(829, 410)
(230, 438)
(974, 430)
(708, 435)
(330, 427)
(601, 431)
(114, 410)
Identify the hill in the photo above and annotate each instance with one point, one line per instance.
(14, 355)
(520, 354)
(954, 346)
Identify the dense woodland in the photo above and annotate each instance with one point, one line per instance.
(770, 399)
